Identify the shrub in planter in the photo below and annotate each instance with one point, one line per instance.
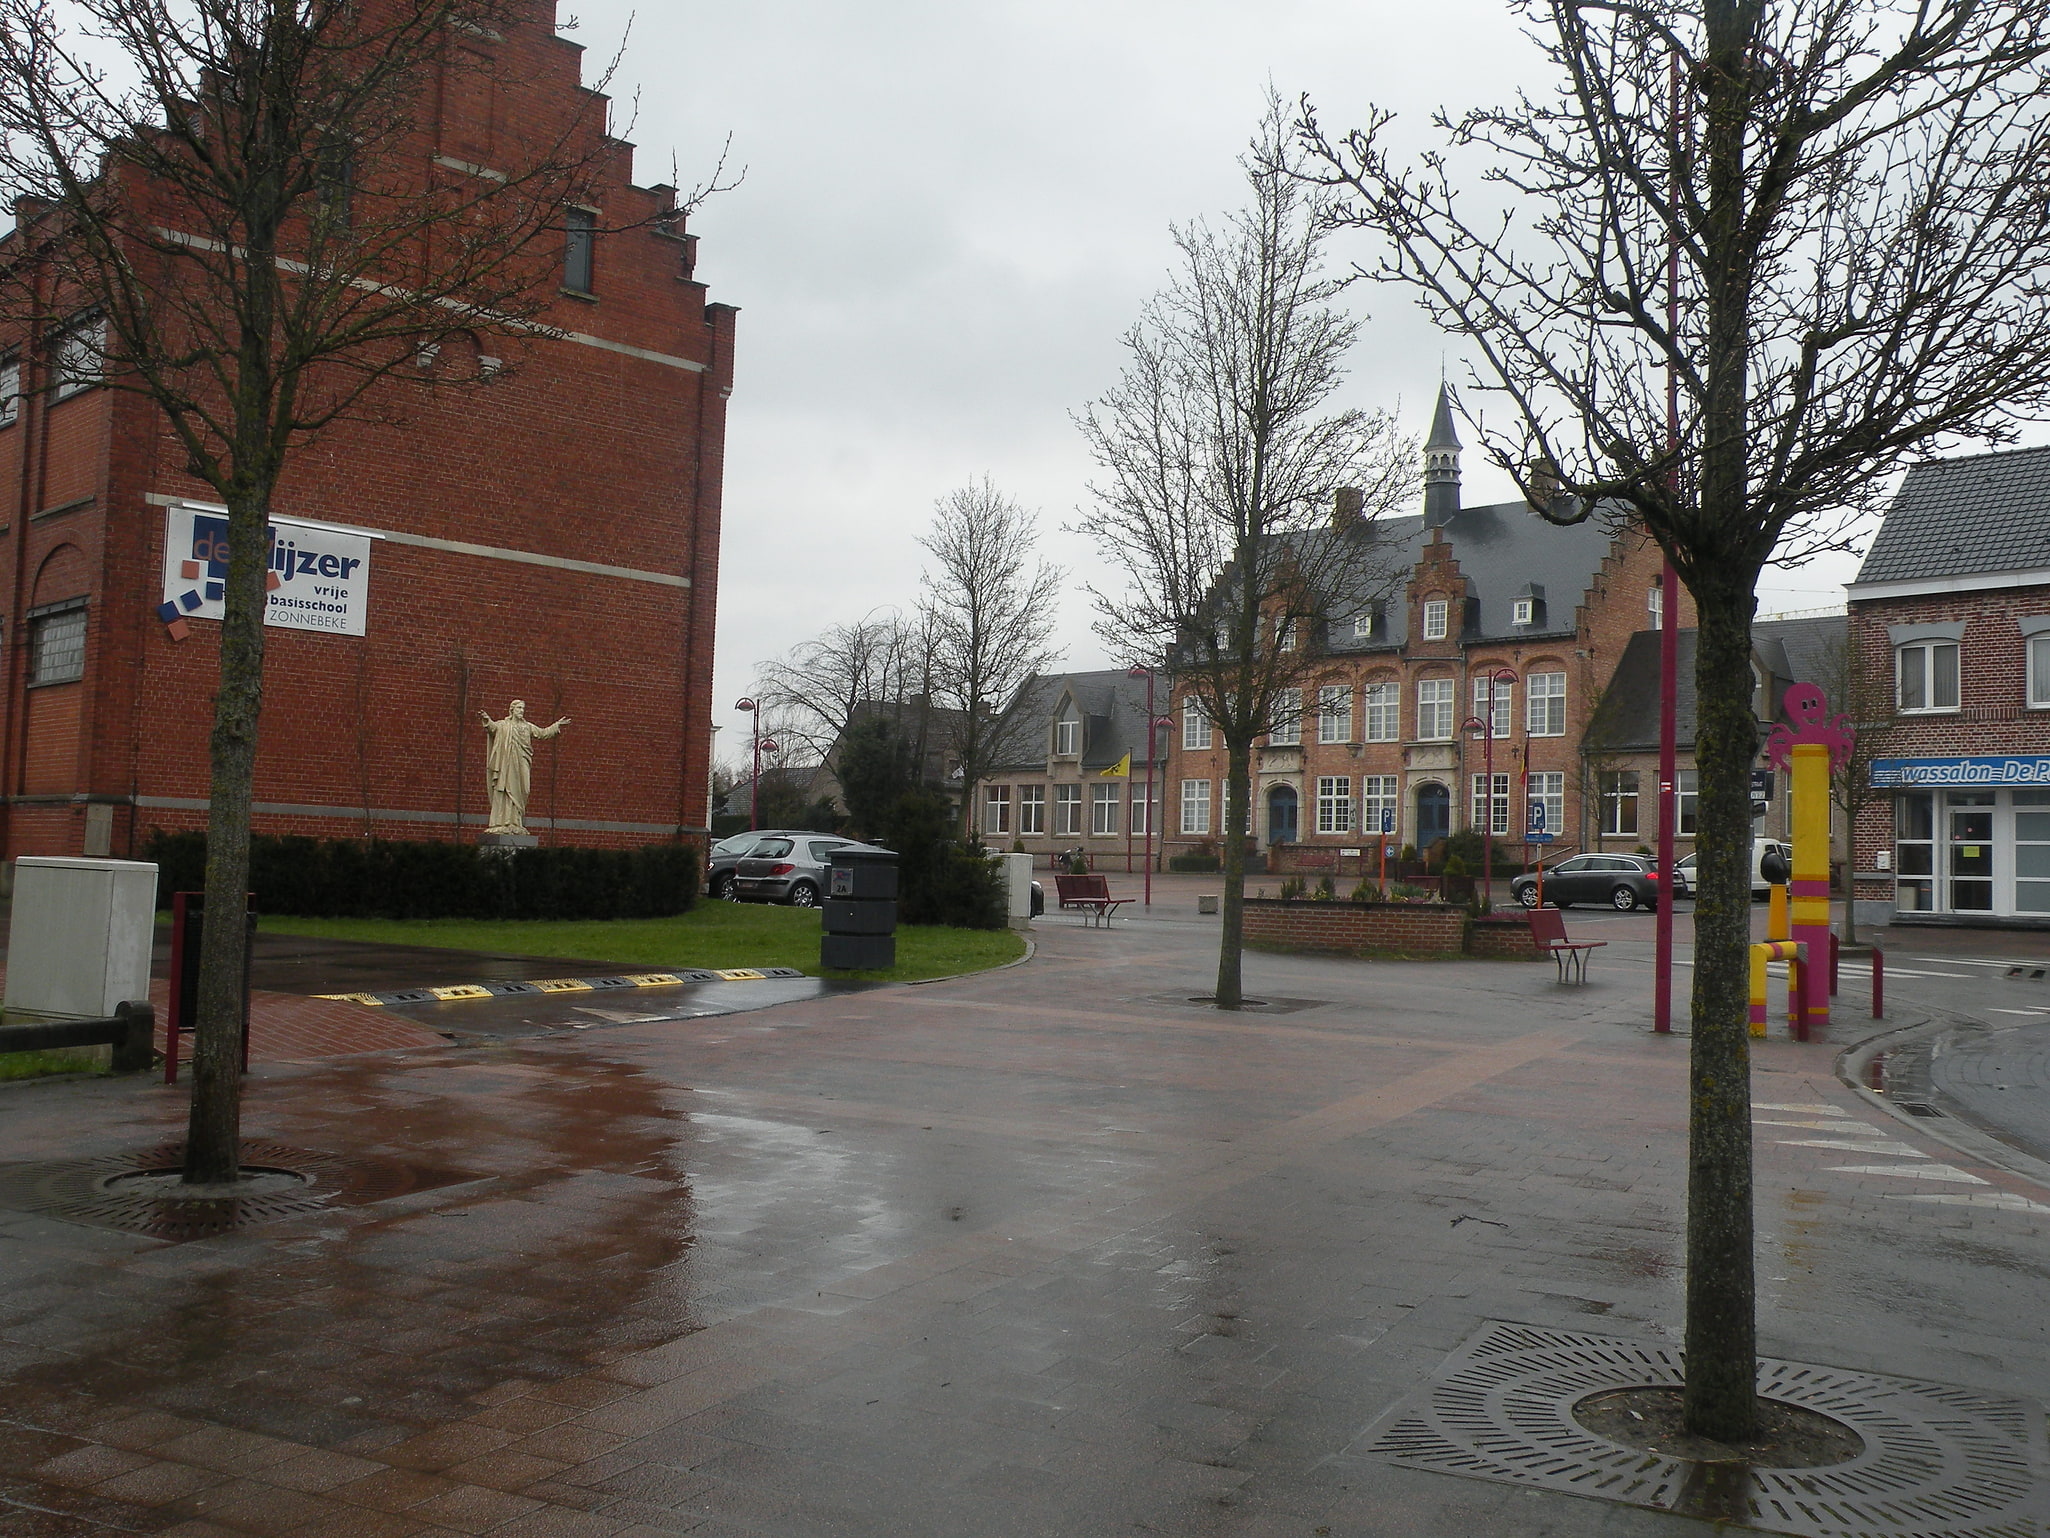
(940, 878)
(1194, 862)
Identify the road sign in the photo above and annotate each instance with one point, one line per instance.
(1761, 784)
(1539, 838)
(1537, 817)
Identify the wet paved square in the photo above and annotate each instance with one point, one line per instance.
(1034, 1252)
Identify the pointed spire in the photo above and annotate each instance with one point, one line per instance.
(1441, 464)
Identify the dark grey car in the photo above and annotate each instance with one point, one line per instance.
(728, 853)
(787, 868)
(1622, 881)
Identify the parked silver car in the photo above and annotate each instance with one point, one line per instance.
(730, 851)
(788, 868)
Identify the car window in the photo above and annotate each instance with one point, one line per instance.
(772, 849)
(1610, 862)
(822, 849)
(1578, 862)
(738, 843)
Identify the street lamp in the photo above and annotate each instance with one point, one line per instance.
(754, 785)
(1487, 730)
(1153, 724)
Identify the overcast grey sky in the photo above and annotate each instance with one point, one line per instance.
(953, 209)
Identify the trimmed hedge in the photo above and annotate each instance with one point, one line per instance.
(379, 878)
(1194, 862)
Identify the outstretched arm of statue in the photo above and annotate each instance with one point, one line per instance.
(550, 731)
(485, 717)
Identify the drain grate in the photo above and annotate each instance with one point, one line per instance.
(1939, 1462)
(102, 1193)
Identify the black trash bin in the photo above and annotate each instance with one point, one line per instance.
(860, 914)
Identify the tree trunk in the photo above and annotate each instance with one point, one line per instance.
(1238, 800)
(215, 1126)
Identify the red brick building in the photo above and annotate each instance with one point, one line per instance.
(552, 535)
(1490, 591)
(1950, 617)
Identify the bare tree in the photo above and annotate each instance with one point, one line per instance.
(1822, 225)
(991, 612)
(1865, 695)
(252, 218)
(820, 688)
(1220, 462)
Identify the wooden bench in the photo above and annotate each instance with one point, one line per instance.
(1091, 894)
(1548, 929)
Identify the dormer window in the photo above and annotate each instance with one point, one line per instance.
(1435, 612)
(1523, 611)
(1284, 636)
(1366, 624)
(1067, 738)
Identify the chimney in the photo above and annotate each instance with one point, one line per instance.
(1348, 503)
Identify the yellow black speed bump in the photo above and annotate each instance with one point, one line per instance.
(493, 990)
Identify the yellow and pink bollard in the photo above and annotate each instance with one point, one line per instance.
(1806, 744)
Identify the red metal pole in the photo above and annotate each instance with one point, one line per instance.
(1151, 738)
(1669, 630)
(1488, 803)
(1878, 982)
(754, 786)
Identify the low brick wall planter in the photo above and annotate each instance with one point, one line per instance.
(1425, 930)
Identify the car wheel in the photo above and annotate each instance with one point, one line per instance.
(804, 895)
(1528, 897)
(1623, 900)
(722, 886)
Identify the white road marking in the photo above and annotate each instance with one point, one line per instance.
(1817, 1126)
(1910, 1172)
(1852, 971)
(2033, 1014)
(1806, 1110)
(1978, 961)
(1876, 1144)
(1998, 1199)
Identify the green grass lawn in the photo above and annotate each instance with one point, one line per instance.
(713, 934)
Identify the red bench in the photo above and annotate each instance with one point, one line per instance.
(1548, 929)
(1090, 894)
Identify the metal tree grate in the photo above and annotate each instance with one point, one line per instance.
(1939, 1462)
(91, 1191)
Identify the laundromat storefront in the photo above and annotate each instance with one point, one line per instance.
(1971, 835)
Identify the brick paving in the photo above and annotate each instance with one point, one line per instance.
(1034, 1252)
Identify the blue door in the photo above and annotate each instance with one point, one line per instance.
(1281, 815)
(1433, 815)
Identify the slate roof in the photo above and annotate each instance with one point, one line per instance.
(1964, 517)
(1627, 720)
(1502, 549)
(1113, 706)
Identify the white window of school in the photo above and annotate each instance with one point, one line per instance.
(1548, 789)
(996, 814)
(1195, 724)
(1380, 803)
(10, 390)
(1927, 674)
(1334, 713)
(1288, 719)
(1103, 808)
(1686, 798)
(1067, 809)
(1498, 823)
(1436, 611)
(2038, 667)
(1619, 802)
(1545, 704)
(1334, 803)
(1067, 738)
(1434, 710)
(1142, 821)
(1382, 704)
(1031, 808)
(1195, 806)
(1498, 721)
(76, 357)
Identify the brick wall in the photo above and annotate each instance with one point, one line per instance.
(605, 450)
(1407, 929)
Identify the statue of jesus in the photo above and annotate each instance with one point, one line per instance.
(509, 765)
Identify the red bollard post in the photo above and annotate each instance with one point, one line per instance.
(1878, 982)
(1836, 946)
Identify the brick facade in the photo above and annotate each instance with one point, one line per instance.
(551, 535)
(1423, 930)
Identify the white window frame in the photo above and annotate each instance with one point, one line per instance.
(1104, 798)
(1379, 793)
(1924, 668)
(2036, 652)
(1067, 738)
(1334, 712)
(1195, 724)
(1686, 801)
(1365, 624)
(1548, 787)
(1523, 611)
(1500, 722)
(996, 809)
(1195, 806)
(1437, 618)
(1031, 809)
(1381, 711)
(1284, 636)
(1540, 691)
(1436, 715)
(10, 390)
(67, 617)
(1141, 812)
(86, 338)
(580, 239)
(1288, 719)
(1620, 788)
(1479, 809)
(1067, 811)
(1655, 604)
(1334, 803)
